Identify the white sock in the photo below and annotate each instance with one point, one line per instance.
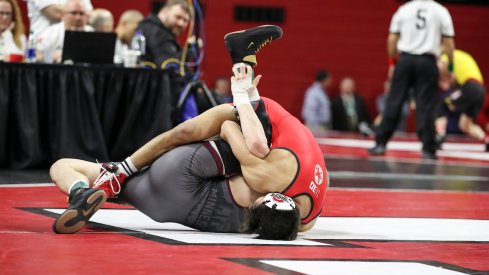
(127, 167)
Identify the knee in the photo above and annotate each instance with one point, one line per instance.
(56, 169)
(464, 125)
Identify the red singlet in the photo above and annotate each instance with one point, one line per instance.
(312, 177)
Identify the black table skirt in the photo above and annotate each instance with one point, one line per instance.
(48, 112)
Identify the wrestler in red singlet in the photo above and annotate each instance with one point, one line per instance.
(312, 177)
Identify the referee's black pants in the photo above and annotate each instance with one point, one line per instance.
(421, 73)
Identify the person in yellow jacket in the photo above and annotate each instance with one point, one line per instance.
(464, 96)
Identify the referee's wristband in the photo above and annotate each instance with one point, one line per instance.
(391, 61)
(450, 67)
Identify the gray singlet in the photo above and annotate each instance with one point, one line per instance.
(185, 186)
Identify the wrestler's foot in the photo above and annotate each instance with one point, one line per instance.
(439, 140)
(377, 150)
(110, 179)
(426, 155)
(243, 45)
(83, 204)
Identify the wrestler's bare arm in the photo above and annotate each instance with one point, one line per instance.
(201, 127)
(205, 126)
(260, 174)
(308, 226)
(241, 85)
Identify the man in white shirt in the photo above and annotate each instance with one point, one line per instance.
(316, 110)
(44, 13)
(128, 22)
(50, 42)
(419, 30)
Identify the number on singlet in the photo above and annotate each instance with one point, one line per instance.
(421, 19)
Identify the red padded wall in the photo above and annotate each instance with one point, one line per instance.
(347, 37)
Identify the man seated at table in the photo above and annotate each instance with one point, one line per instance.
(44, 13)
(125, 30)
(101, 20)
(50, 42)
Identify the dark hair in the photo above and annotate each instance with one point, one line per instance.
(322, 75)
(272, 224)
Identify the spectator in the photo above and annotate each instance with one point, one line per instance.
(483, 119)
(349, 112)
(380, 102)
(161, 32)
(12, 37)
(44, 13)
(464, 99)
(125, 30)
(418, 30)
(316, 110)
(222, 90)
(50, 42)
(101, 20)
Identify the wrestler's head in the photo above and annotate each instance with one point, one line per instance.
(273, 217)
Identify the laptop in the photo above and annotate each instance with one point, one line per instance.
(89, 47)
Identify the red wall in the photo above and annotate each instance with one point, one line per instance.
(346, 37)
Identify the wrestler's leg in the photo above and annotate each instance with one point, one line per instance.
(73, 177)
(65, 172)
(467, 125)
(168, 190)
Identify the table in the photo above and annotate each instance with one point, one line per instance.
(102, 113)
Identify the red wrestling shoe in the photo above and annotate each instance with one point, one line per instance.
(110, 179)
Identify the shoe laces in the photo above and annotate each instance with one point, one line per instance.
(106, 175)
(265, 42)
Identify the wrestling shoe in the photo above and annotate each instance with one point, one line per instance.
(83, 204)
(425, 155)
(377, 150)
(110, 179)
(243, 45)
(439, 140)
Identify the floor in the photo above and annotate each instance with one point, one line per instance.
(393, 214)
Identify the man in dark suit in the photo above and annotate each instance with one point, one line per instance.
(349, 112)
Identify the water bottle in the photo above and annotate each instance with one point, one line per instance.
(138, 44)
(30, 54)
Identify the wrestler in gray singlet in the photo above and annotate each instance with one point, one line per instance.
(186, 186)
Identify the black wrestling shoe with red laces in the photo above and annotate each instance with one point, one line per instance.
(82, 205)
(243, 45)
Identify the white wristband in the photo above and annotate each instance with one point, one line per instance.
(254, 96)
(240, 98)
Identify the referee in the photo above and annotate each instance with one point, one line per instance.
(419, 31)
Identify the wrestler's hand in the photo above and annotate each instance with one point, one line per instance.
(253, 93)
(242, 81)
